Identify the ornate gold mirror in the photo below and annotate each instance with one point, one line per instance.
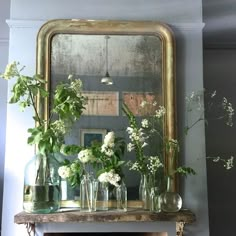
(139, 57)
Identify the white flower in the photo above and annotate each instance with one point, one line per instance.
(86, 155)
(143, 104)
(109, 177)
(135, 166)
(154, 103)
(70, 77)
(144, 144)
(109, 139)
(213, 94)
(216, 159)
(64, 172)
(10, 71)
(108, 151)
(130, 147)
(160, 112)
(154, 164)
(229, 163)
(145, 123)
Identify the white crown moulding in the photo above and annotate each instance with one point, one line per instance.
(15, 23)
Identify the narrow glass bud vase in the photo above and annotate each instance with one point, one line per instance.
(170, 200)
(121, 197)
(154, 205)
(144, 191)
(100, 196)
(86, 194)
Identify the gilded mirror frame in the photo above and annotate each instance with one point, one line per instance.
(103, 27)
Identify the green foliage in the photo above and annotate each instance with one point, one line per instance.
(68, 105)
(185, 171)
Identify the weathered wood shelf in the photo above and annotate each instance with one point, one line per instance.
(132, 215)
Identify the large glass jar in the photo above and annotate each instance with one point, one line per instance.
(41, 185)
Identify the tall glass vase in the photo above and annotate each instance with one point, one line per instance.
(144, 191)
(86, 193)
(170, 200)
(41, 185)
(121, 197)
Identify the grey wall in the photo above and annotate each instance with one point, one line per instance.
(219, 74)
(184, 17)
(4, 38)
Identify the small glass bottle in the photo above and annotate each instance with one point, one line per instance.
(144, 192)
(100, 197)
(121, 197)
(86, 194)
(154, 204)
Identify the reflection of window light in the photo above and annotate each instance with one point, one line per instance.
(107, 80)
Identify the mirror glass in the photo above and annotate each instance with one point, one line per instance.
(139, 59)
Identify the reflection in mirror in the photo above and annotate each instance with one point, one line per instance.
(137, 62)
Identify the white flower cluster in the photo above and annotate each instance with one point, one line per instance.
(227, 106)
(137, 135)
(10, 71)
(145, 123)
(58, 127)
(108, 144)
(76, 84)
(109, 177)
(86, 156)
(64, 172)
(135, 166)
(145, 103)
(160, 112)
(228, 164)
(154, 164)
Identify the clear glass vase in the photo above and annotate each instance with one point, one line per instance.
(100, 196)
(170, 200)
(41, 185)
(144, 191)
(121, 197)
(86, 194)
(154, 203)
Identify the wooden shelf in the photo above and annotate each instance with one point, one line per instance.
(132, 215)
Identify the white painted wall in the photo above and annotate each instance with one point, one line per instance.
(4, 38)
(184, 16)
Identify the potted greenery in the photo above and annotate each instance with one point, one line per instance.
(42, 182)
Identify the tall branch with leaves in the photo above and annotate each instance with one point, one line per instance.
(68, 105)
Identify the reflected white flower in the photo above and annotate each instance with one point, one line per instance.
(143, 104)
(109, 139)
(64, 172)
(130, 147)
(145, 123)
(160, 112)
(86, 155)
(109, 177)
